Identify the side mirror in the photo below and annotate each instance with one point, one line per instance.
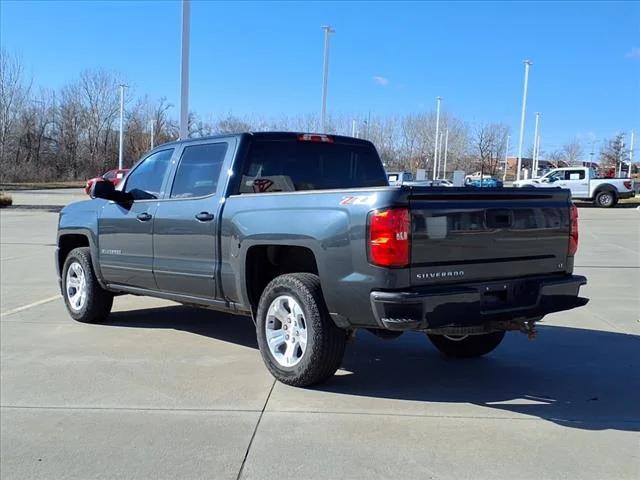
(103, 189)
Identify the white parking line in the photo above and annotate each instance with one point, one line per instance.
(30, 305)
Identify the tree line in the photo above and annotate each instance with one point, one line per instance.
(72, 133)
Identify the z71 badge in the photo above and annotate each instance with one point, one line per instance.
(358, 200)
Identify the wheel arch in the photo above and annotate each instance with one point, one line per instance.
(264, 262)
(70, 239)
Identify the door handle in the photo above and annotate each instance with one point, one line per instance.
(204, 216)
(144, 217)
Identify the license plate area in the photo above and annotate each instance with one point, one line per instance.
(508, 295)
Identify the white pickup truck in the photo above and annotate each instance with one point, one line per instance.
(584, 185)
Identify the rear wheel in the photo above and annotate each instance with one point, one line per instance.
(299, 342)
(605, 199)
(467, 346)
(85, 299)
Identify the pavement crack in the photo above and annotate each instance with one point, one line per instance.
(255, 430)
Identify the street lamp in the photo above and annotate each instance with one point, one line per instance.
(446, 147)
(325, 76)
(184, 70)
(633, 134)
(527, 64)
(121, 139)
(506, 159)
(435, 146)
(534, 160)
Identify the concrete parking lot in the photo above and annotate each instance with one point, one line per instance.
(165, 391)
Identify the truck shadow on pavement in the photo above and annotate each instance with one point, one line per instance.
(578, 378)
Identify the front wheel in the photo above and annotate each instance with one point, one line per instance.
(467, 346)
(85, 299)
(299, 343)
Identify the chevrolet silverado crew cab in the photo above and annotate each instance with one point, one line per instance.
(584, 185)
(304, 233)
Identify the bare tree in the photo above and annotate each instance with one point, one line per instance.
(14, 93)
(572, 152)
(490, 143)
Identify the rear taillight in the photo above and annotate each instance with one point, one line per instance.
(389, 237)
(314, 137)
(627, 184)
(573, 233)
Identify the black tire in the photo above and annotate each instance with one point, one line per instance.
(469, 347)
(325, 341)
(605, 199)
(98, 302)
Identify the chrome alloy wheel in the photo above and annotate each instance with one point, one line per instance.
(606, 199)
(76, 286)
(286, 331)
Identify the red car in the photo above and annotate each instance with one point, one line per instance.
(114, 176)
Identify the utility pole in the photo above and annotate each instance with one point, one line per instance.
(151, 131)
(435, 149)
(325, 76)
(440, 156)
(534, 167)
(631, 153)
(353, 128)
(527, 64)
(121, 139)
(184, 71)
(446, 147)
(506, 156)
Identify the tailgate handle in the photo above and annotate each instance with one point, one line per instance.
(499, 218)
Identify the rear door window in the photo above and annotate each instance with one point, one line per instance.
(575, 174)
(290, 166)
(198, 170)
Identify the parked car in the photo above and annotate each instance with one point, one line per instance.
(399, 178)
(304, 233)
(584, 185)
(475, 176)
(438, 182)
(114, 176)
(486, 182)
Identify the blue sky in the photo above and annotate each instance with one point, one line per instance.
(266, 58)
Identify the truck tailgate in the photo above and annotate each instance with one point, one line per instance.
(463, 234)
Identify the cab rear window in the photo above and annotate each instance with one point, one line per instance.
(289, 166)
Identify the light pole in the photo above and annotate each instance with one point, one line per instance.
(435, 148)
(631, 152)
(527, 64)
(151, 131)
(506, 156)
(446, 147)
(440, 142)
(325, 76)
(353, 128)
(121, 139)
(184, 70)
(534, 167)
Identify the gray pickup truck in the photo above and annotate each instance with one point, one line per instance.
(303, 233)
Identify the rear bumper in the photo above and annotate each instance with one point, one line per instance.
(630, 194)
(475, 304)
